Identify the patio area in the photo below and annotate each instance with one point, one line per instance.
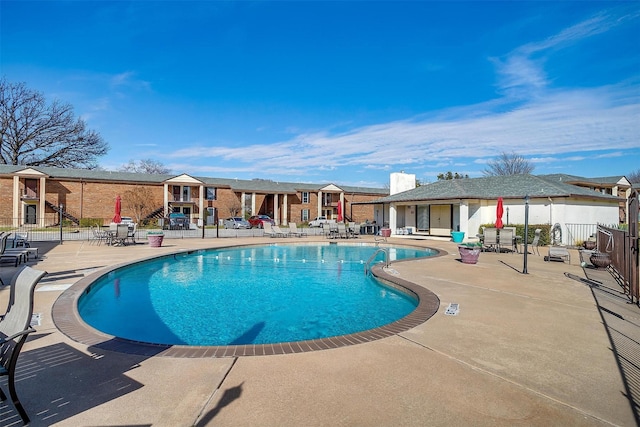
(546, 348)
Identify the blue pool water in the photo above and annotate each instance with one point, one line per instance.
(247, 295)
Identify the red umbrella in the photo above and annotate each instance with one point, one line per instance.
(117, 218)
(340, 211)
(499, 212)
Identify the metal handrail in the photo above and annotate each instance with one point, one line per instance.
(367, 266)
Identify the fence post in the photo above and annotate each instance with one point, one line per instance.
(526, 232)
(60, 220)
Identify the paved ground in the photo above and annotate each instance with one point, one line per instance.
(546, 348)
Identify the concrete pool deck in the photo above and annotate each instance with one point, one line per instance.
(529, 349)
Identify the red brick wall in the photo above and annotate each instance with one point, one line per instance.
(6, 199)
(97, 200)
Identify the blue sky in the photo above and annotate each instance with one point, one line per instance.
(341, 91)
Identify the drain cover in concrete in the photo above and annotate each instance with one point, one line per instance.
(36, 319)
(452, 310)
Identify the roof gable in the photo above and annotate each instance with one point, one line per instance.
(331, 187)
(183, 179)
(30, 172)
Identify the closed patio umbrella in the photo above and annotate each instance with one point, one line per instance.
(340, 211)
(117, 218)
(499, 212)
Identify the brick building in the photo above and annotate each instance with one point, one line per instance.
(35, 195)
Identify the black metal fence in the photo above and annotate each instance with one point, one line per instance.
(68, 232)
(622, 247)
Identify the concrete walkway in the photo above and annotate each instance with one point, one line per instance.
(528, 350)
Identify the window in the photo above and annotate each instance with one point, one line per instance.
(210, 193)
(304, 216)
(305, 197)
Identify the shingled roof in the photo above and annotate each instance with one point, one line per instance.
(253, 185)
(490, 188)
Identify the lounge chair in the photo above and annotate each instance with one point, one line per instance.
(14, 329)
(20, 244)
(294, 231)
(558, 253)
(278, 232)
(14, 255)
(268, 230)
(490, 239)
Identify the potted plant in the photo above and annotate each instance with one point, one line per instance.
(470, 252)
(155, 238)
(600, 259)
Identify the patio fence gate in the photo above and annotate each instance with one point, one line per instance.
(622, 247)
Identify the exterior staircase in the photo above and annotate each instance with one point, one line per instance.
(65, 214)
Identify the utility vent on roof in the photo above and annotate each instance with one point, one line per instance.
(452, 310)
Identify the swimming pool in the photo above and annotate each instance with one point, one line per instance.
(247, 295)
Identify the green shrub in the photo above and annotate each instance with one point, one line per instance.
(91, 222)
(544, 234)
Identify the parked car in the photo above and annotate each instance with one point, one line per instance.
(177, 220)
(259, 220)
(318, 221)
(236, 222)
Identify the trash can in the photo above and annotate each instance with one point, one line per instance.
(457, 236)
(385, 232)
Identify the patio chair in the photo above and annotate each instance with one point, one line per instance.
(490, 239)
(131, 235)
(328, 230)
(121, 235)
(507, 239)
(354, 229)
(536, 241)
(21, 240)
(342, 231)
(294, 231)
(98, 236)
(14, 329)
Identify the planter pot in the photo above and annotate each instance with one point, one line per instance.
(589, 245)
(600, 259)
(457, 236)
(469, 255)
(155, 240)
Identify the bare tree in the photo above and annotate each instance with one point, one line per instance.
(449, 175)
(34, 133)
(508, 164)
(634, 177)
(145, 166)
(140, 201)
(235, 208)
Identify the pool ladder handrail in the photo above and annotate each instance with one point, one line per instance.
(367, 266)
